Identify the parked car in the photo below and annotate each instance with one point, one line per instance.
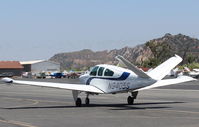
(26, 75)
(41, 75)
(56, 75)
(6, 74)
(73, 75)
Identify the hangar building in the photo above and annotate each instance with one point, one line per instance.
(10, 68)
(40, 66)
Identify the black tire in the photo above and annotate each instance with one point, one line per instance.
(130, 100)
(78, 102)
(87, 101)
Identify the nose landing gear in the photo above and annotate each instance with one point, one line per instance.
(78, 102)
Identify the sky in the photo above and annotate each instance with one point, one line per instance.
(38, 29)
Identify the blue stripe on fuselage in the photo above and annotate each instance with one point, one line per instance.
(124, 76)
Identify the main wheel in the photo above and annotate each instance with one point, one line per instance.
(78, 102)
(87, 101)
(130, 100)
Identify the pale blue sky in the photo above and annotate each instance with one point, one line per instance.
(37, 29)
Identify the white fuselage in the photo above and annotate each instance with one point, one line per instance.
(123, 80)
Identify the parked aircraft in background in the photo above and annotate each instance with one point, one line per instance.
(109, 79)
(194, 73)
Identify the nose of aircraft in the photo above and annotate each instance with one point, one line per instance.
(84, 78)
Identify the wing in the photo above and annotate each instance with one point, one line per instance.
(132, 67)
(78, 87)
(167, 82)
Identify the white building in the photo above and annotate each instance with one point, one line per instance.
(40, 66)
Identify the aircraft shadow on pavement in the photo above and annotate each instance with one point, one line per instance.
(136, 106)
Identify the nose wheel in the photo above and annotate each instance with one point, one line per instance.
(78, 102)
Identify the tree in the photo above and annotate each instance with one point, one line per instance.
(190, 58)
(152, 62)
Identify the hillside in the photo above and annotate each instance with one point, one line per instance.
(88, 58)
(168, 45)
(160, 49)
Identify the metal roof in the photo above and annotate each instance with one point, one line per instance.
(31, 62)
(10, 65)
(37, 61)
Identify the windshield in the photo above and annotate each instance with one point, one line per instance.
(94, 71)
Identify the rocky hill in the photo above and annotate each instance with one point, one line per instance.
(168, 45)
(160, 48)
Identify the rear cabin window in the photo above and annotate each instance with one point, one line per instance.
(94, 71)
(108, 72)
(100, 71)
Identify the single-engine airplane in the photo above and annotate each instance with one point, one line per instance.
(109, 79)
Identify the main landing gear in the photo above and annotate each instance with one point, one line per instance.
(130, 99)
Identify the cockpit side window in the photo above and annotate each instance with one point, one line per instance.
(94, 71)
(108, 72)
(100, 71)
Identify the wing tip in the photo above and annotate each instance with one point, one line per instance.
(7, 80)
(177, 56)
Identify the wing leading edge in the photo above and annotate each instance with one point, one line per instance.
(78, 87)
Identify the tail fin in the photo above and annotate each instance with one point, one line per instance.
(163, 69)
